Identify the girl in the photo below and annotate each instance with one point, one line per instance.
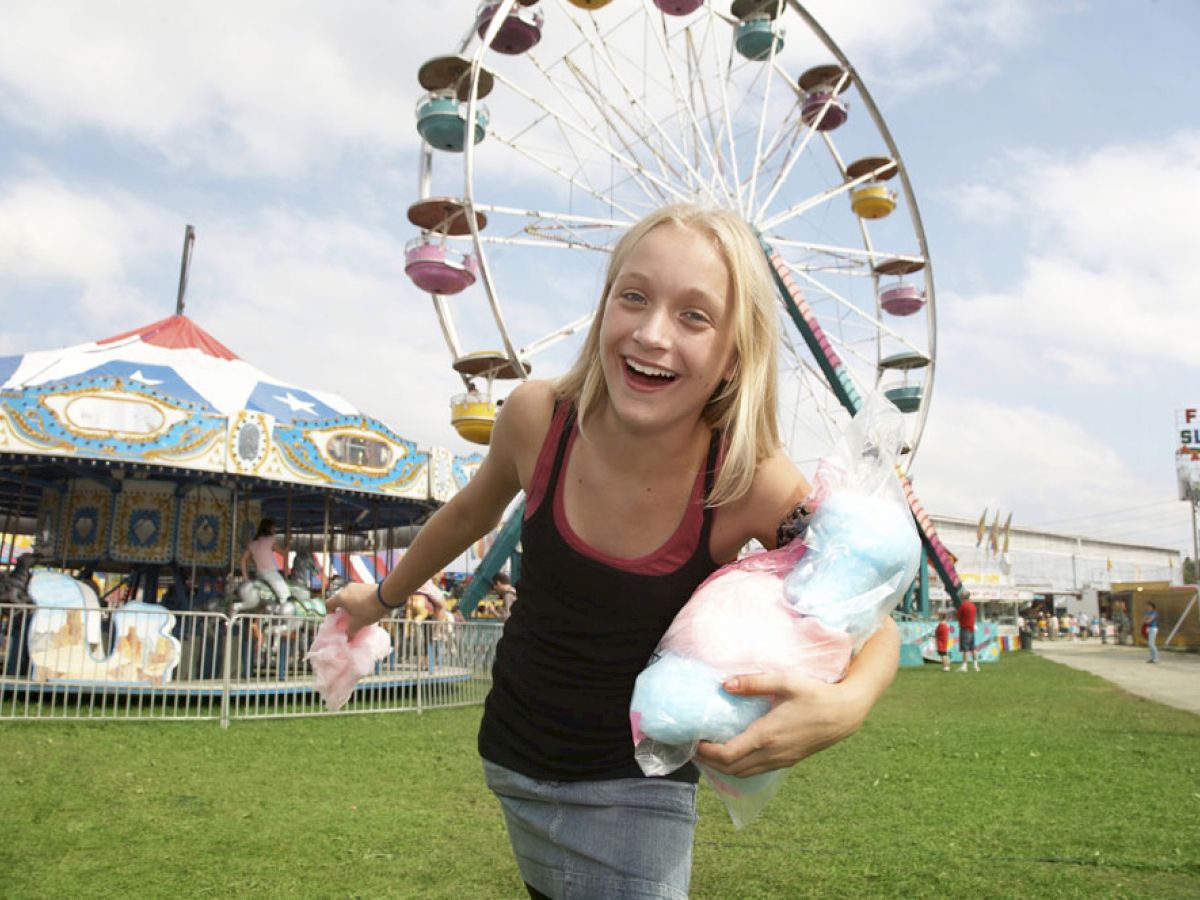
(648, 465)
(262, 551)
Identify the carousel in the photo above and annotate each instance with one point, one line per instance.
(152, 456)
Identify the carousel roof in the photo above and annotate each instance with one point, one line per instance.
(168, 402)
(177, 358)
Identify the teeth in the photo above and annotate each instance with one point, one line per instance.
(649, 370)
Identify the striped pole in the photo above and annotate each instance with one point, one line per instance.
(838, 376)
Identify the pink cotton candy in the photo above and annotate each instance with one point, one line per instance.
(738, 623)
(338, 663)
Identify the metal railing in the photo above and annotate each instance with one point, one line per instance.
(76, 664)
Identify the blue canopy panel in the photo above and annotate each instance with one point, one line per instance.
(288, 404)
(8, 365)
(161, 379)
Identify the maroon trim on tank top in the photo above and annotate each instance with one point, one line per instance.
(545, 460)
(669, 557)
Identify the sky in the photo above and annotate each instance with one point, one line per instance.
(1052, 147)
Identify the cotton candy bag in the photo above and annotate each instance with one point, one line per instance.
(338, 661)
(805, 607)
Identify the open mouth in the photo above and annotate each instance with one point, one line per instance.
(644, 375)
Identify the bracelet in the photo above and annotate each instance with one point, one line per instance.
(382, 602)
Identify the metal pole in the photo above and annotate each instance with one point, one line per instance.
(189, 238)
(287, 534)
(325, 554)
(233, 523)
(226, 680)
(1195, 539)
(10, 529)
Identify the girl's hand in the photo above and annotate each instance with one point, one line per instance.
(358, 600)
(808, 716)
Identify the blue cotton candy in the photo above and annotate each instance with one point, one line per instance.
(679, 700)
(863, 550)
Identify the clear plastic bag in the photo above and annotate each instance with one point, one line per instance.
(806, 607)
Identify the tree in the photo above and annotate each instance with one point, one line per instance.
(1190, 572)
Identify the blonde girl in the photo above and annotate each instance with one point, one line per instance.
(653, 461)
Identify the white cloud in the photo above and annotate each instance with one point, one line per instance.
(982, 202)
(50, 231)
(917, 45)
(978, 453)
(278, 88)
(1109, 269)
(88, 248)
(267, 88)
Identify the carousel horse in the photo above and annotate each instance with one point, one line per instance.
(304, 569)
(256, 595)
(14, 586)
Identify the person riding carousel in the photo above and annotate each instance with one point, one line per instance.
(262, 550)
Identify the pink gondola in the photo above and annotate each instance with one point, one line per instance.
(678, 7)
(518, 33)
(902, 299)
(438, 269)
(835, 115)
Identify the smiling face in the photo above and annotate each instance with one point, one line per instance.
(666, 339)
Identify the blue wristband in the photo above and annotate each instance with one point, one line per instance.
(382, 602)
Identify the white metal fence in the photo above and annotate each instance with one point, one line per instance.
(124, 665)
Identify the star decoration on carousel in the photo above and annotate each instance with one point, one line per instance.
(295, 404)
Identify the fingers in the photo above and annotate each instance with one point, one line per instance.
(741, 756)
(756, 685)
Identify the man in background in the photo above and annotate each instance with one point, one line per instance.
(966, 631)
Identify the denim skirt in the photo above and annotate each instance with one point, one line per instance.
(624, 838)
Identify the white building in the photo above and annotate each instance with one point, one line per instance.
(1068, 570)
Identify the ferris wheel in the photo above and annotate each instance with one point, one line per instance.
(555, 125)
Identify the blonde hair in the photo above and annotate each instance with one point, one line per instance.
(743, 408)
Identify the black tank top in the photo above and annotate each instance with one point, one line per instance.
(579, 635)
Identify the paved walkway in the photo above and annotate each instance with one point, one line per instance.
(1175, 680)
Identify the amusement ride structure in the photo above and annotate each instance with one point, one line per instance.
(155, 454)
(599, 111)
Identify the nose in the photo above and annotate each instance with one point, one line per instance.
(653, 329)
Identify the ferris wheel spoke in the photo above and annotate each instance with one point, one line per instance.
(798, 150)
(649, 122)
(724, 171)
(553, 230)
(683, 98)
(567, 134)
(790, 129)
(605, 198)
(762, 126)
(804, 206)
(572, 218)
(860, 254)
(662, 188)
(614, 118)
(557, 336)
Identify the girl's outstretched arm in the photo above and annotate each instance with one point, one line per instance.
(470, 514)
(808, 715)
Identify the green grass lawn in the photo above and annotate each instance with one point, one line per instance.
(1025, 780)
